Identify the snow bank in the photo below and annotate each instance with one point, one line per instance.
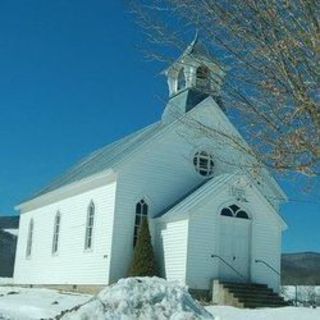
(6, 281)
(285, 313)
(34, 304)
(143, 299)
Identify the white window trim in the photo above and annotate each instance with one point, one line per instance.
(242, 207)
(30, 239)
(56, 234)
(197, 168)
(92, 227)
(147, 203)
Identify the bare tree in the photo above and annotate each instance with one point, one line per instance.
(270, 49)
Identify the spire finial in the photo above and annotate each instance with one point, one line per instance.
(196, 37)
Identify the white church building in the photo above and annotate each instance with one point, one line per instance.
(211, 215)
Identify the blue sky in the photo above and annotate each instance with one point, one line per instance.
(72, 79)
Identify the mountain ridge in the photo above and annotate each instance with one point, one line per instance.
(300, 268)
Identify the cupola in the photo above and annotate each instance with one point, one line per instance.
(194, 76)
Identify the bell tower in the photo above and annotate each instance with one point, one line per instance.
(194, 76)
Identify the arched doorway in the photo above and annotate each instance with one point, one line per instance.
(234, 244)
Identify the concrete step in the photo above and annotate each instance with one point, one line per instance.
(261, 300)
(246, 285)
(253, 295)
(249, 295)
(250, 290)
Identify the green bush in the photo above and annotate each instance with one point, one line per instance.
(143, 263)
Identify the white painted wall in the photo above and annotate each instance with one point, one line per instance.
(71, 265)
(161, 172)
(203, 240)
(266, 244)
(174, 239)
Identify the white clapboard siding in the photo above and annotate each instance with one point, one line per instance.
(265, 242)
(175, 239)
(72, 264)
(203, 240)
(160, 173)
(202, 243)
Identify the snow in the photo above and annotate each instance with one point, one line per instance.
(132, 298)
(30, 304)
(142, 298)
(6, 281)
(305, 294)
(12, 231)
(286, 313)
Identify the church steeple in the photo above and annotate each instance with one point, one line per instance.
(195, 69)
(191, 78)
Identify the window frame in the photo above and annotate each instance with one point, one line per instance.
(90, 223)
(205, 170)
(142, 214)
(235, 210)
(30, 238)
(56, 233)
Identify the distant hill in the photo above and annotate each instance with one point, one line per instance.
(8, 241)
(9, 222)
(300, 268)
(8, 244)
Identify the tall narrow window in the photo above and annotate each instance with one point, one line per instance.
(29, 240)
(141, 213)
(56, 231)
(181, 80)
(89, 226)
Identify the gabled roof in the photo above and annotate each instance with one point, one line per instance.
(184, 196)
(181, 103)
(180, 209)
(101, 159)
(196, 195)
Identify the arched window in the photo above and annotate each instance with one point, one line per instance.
(89, 226)
(141, 213)
(56, 231)
(29, 240)
(234, 211)
(203, 77)
(181, 80)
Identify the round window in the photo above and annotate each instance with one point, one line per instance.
(203, 163)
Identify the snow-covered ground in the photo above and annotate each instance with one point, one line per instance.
(30, 304)
(129, 299)
(303, 294)
(286, 313)
(6, 281)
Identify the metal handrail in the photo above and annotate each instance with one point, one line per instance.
(268, 265)
(230, 266)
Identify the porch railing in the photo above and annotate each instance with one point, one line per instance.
(230, 266)
(268, 265)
